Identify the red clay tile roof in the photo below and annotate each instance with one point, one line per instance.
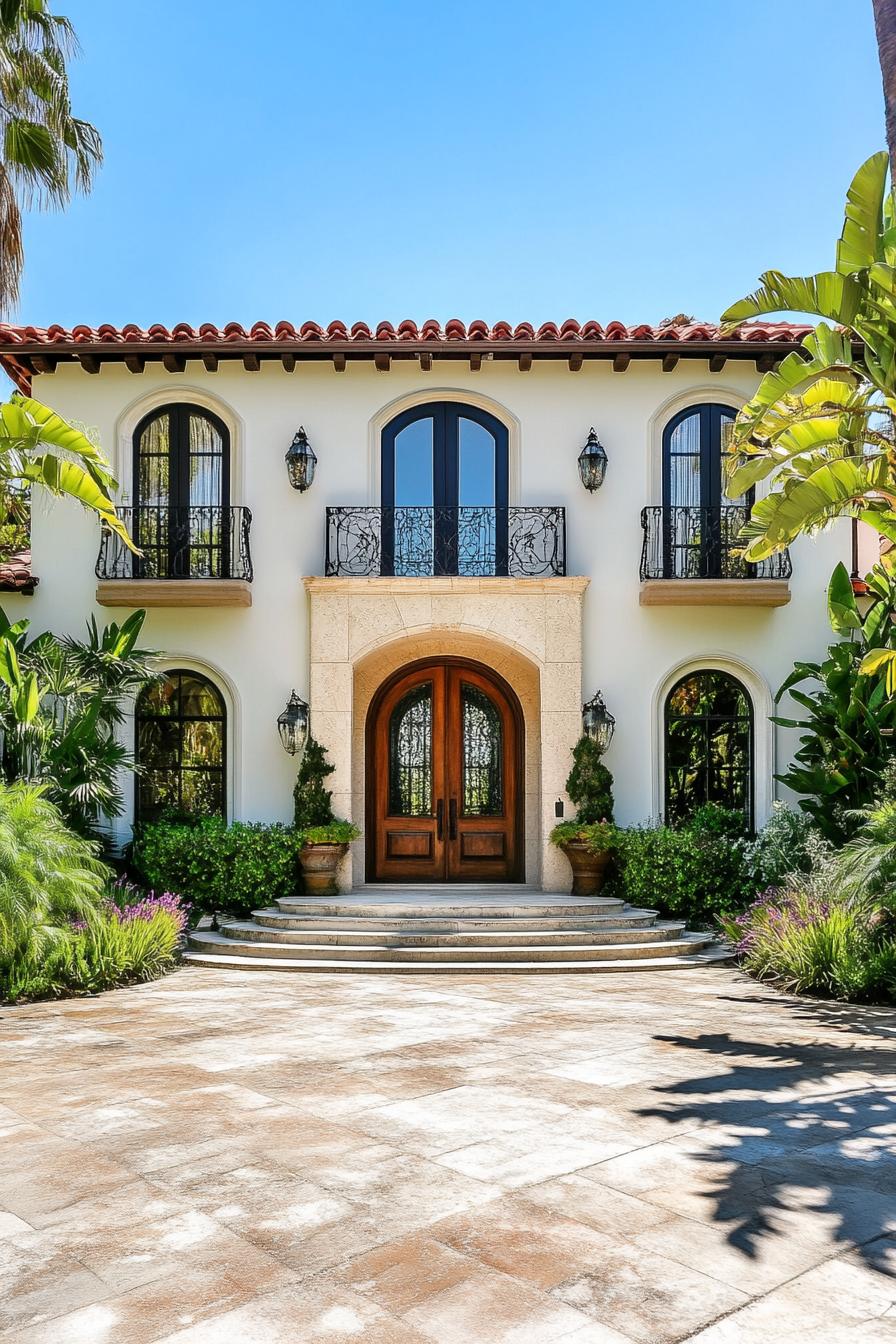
(16, 576)
(26, 349)
(430, 331)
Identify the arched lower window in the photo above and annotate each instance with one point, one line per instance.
(708, 745)
(182, 493)
(181, 748)
(701, 521)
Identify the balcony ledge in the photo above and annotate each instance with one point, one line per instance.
(715, 593)
(174, 593)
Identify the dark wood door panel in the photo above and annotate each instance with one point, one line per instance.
(444, 801)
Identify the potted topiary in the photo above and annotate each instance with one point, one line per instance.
(590, 839)
(325, 838)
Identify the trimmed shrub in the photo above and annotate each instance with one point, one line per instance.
(694, 873)
(590, 784)
(220, 869)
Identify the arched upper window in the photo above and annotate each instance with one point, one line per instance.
(444, 491)
(708, 745)
(701, 522)
(181, 748)
(182, 493)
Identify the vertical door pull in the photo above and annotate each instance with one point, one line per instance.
(440, 816)
(452, 819)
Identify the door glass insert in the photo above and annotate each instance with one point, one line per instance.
(483, 754)
(410, 754)
(414, 497)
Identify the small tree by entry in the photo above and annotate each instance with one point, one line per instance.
(313, 803)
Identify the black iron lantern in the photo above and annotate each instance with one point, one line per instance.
(293, 726)
(300, 461)
(598, 723)
(593, 462)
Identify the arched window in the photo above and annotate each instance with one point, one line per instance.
(182, 493)
(701, 522)
(444, 491)
(181, 748)
(708, 745)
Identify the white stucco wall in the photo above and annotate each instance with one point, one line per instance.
(260, 653)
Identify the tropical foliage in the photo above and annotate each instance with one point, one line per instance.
(48, 876)
(849, 719)
(38, 447)
(692, 872)
(46, 151)
(62, 702)
(132, 935)
(820, 427)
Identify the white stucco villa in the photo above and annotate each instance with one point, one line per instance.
(447, 592)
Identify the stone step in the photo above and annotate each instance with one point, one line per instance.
(283, 928)
(275, 918)
(404, 908)
(224, 943)
(714, 954)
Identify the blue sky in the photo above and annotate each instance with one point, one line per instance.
(374, 159)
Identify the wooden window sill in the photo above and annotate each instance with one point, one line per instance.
(174, 593)
(715, 593)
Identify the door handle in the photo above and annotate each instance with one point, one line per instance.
(440, 816)
(452, 819)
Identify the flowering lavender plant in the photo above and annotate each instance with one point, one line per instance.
(129, 902)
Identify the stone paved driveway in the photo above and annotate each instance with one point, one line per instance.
(254, 1158)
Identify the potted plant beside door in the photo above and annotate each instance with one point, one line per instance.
(589, 840)
(325, 838)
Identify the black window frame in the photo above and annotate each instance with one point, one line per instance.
(140, 717)
(706, 765)
(716, 531)
(446, 417)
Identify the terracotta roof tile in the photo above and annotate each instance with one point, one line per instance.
(453, 330)
(16, 576)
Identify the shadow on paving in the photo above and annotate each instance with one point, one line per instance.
(796, 1133)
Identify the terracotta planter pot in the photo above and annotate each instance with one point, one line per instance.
(320, 864)
(589, 870)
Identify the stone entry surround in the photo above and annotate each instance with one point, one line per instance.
(528, 630)
(215, 1158)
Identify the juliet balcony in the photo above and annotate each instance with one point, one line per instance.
(470, 542)
(693, 556)
(190, 556)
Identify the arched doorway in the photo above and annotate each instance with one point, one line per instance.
(445, 776)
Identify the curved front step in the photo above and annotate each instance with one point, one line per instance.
(276, 919)
(227, 942)
(563, 907)
(283, 929)
(713, 955)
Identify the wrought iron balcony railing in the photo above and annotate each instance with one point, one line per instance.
(686, 542)
(199, 541)
(474, 542)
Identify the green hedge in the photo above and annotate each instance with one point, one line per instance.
(693, 873)
(220, 869)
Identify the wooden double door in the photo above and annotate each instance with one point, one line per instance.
(444, 776)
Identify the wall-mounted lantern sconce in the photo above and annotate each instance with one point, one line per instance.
(593, 462)
(300, 461)
(598, 723)
(293, 726)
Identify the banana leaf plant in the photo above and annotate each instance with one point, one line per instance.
(847, 732)
(38, 447)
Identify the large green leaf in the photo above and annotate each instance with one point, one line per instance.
(860, 244)
(827, 294)
(805, 505)
(67, 478)
(842, 609)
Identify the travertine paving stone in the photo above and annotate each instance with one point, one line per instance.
(623, 1159)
